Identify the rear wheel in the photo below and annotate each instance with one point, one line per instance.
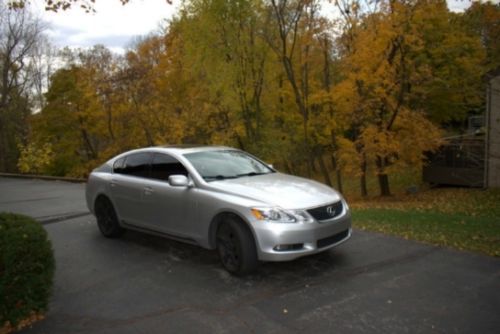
(236, 247)
(107, 220)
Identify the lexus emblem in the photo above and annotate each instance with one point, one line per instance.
(330, 210)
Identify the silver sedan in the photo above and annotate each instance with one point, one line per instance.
(218, 198)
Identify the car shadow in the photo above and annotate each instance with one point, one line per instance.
(308, 267)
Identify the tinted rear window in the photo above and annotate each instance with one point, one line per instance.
(137, 164)
(119, 165)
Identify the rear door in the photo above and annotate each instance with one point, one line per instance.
(128, 188)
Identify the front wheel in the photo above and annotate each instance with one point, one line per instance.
(107, 220)
(236, 247)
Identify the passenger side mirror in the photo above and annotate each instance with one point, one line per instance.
(178, 181)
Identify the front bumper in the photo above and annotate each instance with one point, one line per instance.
(302, 238)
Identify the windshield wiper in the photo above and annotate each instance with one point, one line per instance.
(219, 177)
(225, 177)
(252, 174)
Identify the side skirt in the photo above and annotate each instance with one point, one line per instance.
(157, 233)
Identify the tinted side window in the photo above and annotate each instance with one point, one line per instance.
(119, 165)
(164, 165)
(137, 164)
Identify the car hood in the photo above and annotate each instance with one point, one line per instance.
(276, 189)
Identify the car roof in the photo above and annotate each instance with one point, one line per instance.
(173, 149)
(182, 149)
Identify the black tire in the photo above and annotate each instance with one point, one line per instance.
(236, 247)
(107, 220)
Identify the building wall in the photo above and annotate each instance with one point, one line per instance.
(493, 133)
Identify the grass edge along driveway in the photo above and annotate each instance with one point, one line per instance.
(462, 218)
(472, 233)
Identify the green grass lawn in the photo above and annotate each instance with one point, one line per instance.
(462, 218)
(466, 219)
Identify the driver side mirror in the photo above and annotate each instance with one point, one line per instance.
(178, 181)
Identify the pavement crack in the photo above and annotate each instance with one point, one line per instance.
(61, 218)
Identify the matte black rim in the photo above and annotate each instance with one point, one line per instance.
(227, 245)
(105, 217)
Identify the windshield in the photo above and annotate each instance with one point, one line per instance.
(227, 164)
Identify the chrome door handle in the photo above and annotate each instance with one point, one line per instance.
(112, 184)
(148, 190)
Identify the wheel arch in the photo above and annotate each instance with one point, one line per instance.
(109, 223)
(101, 195)
(219, 218)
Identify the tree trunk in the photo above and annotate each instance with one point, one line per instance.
(338, 174)
(383, 178)
(383, 182)
(109, 115)
(147, 134)
(362, 179)
(308, 152)
(362, 183)
(286, 166)
(312, 163)
(240, 141)
(3, 147)
(324, 170)
(91, 154)
(335, 166)
(296, 170)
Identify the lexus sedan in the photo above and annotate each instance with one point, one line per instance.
(218, 198)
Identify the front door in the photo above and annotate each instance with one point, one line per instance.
(169, 209)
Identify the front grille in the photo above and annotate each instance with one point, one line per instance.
(326, 212)
(332, 239)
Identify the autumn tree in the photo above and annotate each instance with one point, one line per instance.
(151, 80)
(77, 120)
(400, 64)
(481, 19)
(286, 16)
(363, 93)
(20, 32)
(449, 64)
(224, 48)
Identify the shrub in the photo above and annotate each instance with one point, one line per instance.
(26, 270)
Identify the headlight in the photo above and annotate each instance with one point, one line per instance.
(278, 215)
(344, 202)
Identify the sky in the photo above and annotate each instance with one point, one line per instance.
(115, 26)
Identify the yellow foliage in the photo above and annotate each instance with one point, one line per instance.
(379, 142)
(416, 135)
(348, 157)
(35, 158)
(221, 73)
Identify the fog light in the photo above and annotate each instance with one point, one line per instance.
(288, 247)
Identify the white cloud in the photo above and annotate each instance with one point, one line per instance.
(458, 5)
(113, 24)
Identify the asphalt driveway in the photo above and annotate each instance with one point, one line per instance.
(144, 284)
